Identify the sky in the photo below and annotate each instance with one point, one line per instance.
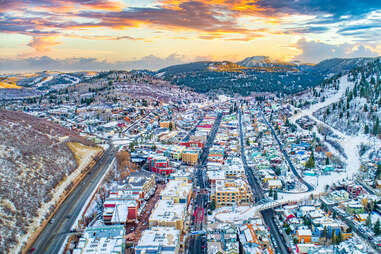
(151, 34)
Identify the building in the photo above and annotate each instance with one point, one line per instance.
(159, 240)
(167, 213)
(120, 209)
(102, 240)
(165, 124)
(180, 191)
(222, 238)
(142, 183)
(160, 165)
(190, 156)
(255, 238)
(230, 192)
(304, 235)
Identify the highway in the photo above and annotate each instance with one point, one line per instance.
(294, 171)
(279, 242)
(53, 236)
(197, 243)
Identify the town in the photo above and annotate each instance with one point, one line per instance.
(181, 172)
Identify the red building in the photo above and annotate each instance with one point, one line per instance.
(192, 143)
(355, 190)
(160, 165)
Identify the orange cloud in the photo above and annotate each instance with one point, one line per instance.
(43, 43)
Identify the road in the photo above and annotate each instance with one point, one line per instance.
(53, 236)
(285, 154)
(186, 138)
(268, 215)
(352, 225)
(197, 243)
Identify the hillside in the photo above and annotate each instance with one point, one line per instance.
(35, 162)
(359, 110)
(257, 74)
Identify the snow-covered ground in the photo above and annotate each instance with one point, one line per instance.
(344, 84)
(39, 84)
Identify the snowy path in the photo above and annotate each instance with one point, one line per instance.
(44, 81)
(344, 84)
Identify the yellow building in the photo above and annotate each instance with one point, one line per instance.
(229, 192)
(165, 124)
(190, 156)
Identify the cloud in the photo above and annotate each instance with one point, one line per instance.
(314, 52)
(150, 62)
(211, 19)
(336, 8)
(43, 43)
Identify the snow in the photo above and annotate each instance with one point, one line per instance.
(44, 81)
(344, 84)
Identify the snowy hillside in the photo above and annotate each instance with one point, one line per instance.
(34, 159)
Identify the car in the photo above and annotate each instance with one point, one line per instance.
(68, 216)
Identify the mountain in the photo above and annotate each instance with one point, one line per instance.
(37, 165)
(257, 74)
(263, 61)
(189, 67)
(337, 65)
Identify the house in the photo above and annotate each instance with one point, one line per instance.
(274, 184)
(304, 235)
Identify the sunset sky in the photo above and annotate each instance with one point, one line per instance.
(103, 33)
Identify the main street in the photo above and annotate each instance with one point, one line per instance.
(197, 243)
(269, 214)
(53, 236)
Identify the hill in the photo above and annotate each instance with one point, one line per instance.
(36, 167)
(256, 74)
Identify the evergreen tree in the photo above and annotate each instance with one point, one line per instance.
(213, 205)
(333, 236)
(368, 222)
(377, 228)
(378, 171)
(376, 127)
(366, 129)
(339, 238)
(325, 233)
(275, 195)
(311, 161)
